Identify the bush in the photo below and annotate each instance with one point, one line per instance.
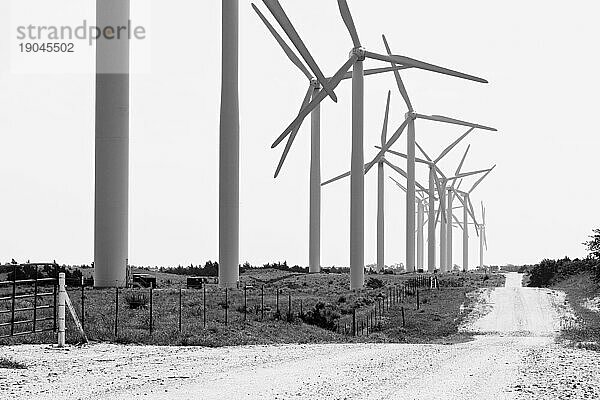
(549, 272)
(136, 301)
(374, 283)
(322, 315)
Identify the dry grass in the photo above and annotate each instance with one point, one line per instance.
(438, 317)
(585, 333)
(7, 363)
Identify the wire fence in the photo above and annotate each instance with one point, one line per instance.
(141, 312)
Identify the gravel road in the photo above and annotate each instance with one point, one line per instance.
(514, 355)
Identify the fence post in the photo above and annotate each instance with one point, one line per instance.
(35, 291)
(226, 305)
(116, 310)
(245, 301)
(180, 309)
(151, 318)
(289, 306)
(277, 301)
(354, 322)
(418, 305)
(82, 305)
(204, 305)
(12, 307)
(403, 321)
(61, 309)
(262, 302)
(302, 311)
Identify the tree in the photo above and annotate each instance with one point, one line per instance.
(593, 245)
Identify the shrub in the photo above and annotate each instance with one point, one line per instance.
(136, 300)
(322, 315)
(375, 283)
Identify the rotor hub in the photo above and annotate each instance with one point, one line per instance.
(411, 115)
(315, 84)
(359, 52)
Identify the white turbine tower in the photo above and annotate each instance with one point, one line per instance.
(315, 156)
(482, 237)
(229, 149)
(111, 202)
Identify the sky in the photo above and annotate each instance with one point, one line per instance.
(540, 58)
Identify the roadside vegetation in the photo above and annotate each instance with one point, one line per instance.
(580, 279)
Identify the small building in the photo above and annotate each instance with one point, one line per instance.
(198, 282)
(144, 280)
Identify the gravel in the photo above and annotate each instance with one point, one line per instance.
(514, 355)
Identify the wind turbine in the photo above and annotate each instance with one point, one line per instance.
(434, 182)
(111, 201)
(357, 57)
(411, 117)
(315, 138)
(469, 210)
(380, 160)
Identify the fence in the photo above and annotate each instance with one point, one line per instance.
(29, 303)
(137, 314)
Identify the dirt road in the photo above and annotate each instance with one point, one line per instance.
(513, 356)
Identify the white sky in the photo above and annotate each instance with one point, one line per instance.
(541, 58)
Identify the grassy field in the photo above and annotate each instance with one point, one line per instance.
(436, 320)
(585, 332)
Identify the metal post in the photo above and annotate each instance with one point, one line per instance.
(179, 310)
(151, 322)
(418, 305)
(262, 302)
(245, 302)
(204, 305)
(116, 310)
(82, 305)
(61, 309)
(403, 320)
(35, 291)
(354, 322)
(289, 306)
(226, 305)
(277, 301)
(12, 307)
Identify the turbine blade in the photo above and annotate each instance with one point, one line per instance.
(317, 99)
(288, 51)
(447, 120)
(398, 184)
(465, 174)
(349, 22)
(342, 176)
(283, 20)
(422, 151)
(396, 153)
(462, 161)
(374, 71)
(389, 143)
(385, 120)
(457, 221)
(453, 145)
(292, 136)
(337, 178)
(481, 179)
(484, 239)
(399, 82)
(402, 172)
(411, 62)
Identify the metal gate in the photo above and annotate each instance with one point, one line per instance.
(28, 299)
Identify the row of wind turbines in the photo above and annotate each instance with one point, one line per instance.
(441, 189)
(112, 152)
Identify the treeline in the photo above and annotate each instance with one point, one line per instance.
(549, 272)
(211, 268)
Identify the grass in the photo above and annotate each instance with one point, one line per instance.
(7, 363)
(437, 319)
(585, 332)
